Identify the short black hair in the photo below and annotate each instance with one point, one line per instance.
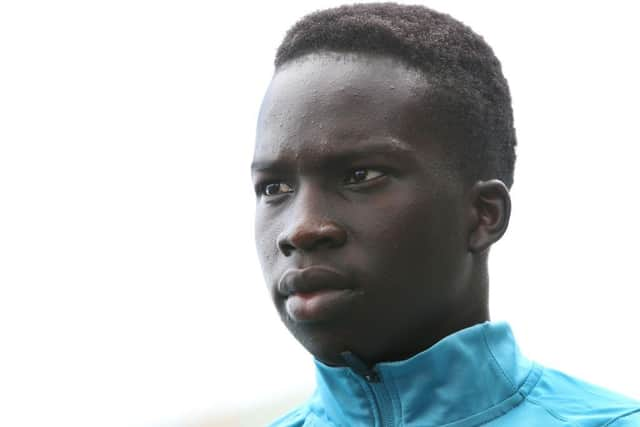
(469, 102)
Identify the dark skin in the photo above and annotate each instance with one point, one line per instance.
(369, 239)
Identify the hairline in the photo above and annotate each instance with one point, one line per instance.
(431, 86)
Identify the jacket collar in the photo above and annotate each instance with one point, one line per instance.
(472, 371)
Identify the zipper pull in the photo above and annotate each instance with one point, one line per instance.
(359, 367)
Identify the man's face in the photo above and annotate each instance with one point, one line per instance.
(361, 224)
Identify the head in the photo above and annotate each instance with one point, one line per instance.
(384, 152)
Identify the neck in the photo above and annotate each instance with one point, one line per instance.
(471, 308)
(434, 333)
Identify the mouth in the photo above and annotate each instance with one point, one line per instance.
(315, 293)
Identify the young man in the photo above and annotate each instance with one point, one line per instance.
(384, 154)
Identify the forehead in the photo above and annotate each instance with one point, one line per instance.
(330, 99)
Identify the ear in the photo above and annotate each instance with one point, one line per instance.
(490, 212)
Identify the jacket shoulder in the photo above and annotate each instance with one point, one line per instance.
(574, 400)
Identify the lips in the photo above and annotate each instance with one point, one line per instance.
(315, 293)
(311, 280)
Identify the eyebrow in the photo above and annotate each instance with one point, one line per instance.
(351, 151)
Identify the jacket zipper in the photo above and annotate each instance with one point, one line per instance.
(384, 404)
(381, 399)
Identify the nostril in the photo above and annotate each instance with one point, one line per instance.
(285, 248)
(310, 237)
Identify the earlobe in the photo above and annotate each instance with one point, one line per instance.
(490, 211)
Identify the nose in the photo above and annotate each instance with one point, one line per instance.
(311, 235)
(310, 229)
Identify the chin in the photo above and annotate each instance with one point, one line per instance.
(323, 340)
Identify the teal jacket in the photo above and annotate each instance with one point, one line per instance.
(475, 377)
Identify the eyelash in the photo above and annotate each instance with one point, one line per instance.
(262, 188)
(351, 174)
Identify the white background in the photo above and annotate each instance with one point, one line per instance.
(130, 293)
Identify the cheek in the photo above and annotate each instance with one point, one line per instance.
(265, 233)
(416, 240)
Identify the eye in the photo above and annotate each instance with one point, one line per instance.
(275, 188)
(357, 176)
